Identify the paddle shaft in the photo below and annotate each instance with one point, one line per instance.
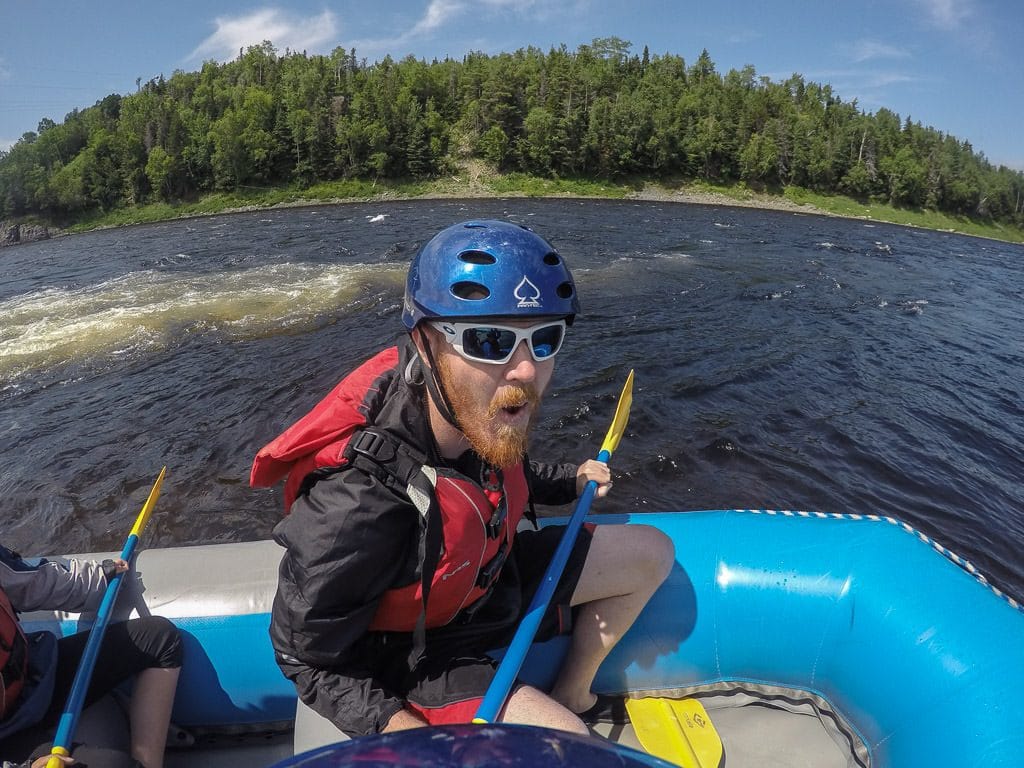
(510, 664)
(76, 699)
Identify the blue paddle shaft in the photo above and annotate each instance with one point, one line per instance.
(511, 663)
(76, 699)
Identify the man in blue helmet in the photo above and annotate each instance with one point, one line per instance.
(406, 486)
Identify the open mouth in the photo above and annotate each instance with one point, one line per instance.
(513, 410)
(513, 403)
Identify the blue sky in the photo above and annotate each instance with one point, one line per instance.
(955, 65)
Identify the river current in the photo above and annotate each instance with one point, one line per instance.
(782, 361)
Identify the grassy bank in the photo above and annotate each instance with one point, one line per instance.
(796, 198)
(845, 206)
(477, 182)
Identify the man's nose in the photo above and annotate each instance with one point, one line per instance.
(521, 366)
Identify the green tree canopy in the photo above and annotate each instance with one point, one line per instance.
(601, 111)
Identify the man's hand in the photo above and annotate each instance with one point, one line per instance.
(40, 762)
(592, 469)
(113, 567)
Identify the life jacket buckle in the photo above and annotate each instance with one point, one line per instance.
(497, 521)
(373, 445)
(489, 573)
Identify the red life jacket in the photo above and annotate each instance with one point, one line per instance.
(319, 438)
(13, 656)
(476, 543)
(476, 527)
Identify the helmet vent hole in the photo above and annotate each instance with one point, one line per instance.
(551, 259)
(477, 257)
(470, 290)
(565, 291)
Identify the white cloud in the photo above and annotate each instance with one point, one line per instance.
(283, 29)
(869, 50)
(6, 144)
(476, 24)
(857, 78)
(745, 36)
(441, 12)
(883, 79)
(975, 28)
(948, 14)
(438, 13)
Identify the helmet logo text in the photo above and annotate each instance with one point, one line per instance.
(527, 293)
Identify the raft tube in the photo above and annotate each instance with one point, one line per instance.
(904, 641)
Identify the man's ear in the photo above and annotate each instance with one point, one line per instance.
(421, 338)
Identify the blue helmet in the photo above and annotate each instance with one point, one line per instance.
(488, 269)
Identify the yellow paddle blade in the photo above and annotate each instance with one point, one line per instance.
(147, 508)
(676, 730)
(618, 427)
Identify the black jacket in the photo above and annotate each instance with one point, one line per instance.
(348, 540)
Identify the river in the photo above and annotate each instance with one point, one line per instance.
(782, 361)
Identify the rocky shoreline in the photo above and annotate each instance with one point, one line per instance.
(754, 200)
(13, 234)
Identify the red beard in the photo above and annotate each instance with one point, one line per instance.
(497, 443)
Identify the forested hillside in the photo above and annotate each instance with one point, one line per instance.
(288, 119)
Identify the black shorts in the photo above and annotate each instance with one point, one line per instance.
(456, 669)
(128, 648)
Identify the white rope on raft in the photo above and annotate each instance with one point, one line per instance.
(950, 555)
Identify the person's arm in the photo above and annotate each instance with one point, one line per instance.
(59, 585)
(347, 542)
(563, 483)
(551, 484)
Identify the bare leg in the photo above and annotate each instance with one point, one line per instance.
(150, 714)
(624, 567)
(528, 706)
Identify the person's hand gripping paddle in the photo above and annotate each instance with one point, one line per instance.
(73, 708)
(505, 676)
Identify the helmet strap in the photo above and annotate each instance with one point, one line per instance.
(435, 387)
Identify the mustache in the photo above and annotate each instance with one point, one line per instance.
(512, 396)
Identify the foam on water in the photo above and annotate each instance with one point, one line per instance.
(151, 309)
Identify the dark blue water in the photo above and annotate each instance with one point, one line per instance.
(782, 361)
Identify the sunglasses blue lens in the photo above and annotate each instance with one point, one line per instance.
(499, 343)
(545, 342)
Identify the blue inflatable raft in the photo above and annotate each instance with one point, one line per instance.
(810, 639)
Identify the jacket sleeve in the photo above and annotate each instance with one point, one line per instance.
(58, 585)
(346, 542)
(551, 483)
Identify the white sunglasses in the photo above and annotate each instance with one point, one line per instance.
(497, 343)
